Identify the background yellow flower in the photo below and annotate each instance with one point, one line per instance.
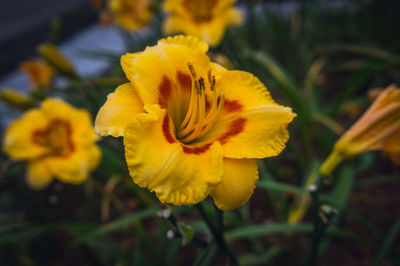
(38, 72)
(57, 141)
(131, 15)
(205, 19)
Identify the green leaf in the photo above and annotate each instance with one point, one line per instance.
(343, 186)
(257, 230)
(280, 187)
(186, 231)
(207, 255)
(258, 259)
(267, 229)
(371, 52)
(372, 181)
(388, 243)
(118, 224)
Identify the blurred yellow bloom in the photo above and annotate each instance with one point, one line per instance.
(16, 99)
(131, 14)
(57, 141)
(222, 60)
(55, 58)
(205, 19)
(192, 128)
(39, 73)
(377, 129)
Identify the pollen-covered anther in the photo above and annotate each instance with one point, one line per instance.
(197, 122)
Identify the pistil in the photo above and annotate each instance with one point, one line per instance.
(197, 122)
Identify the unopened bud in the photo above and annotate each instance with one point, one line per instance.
(16, 99)
(57, 60)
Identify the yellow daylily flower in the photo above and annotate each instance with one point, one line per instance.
(377, 129)
(57, 141)
(131, 15)
(38, 72)
(192, 128)
(205, 19)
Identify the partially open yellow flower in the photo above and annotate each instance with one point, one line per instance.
(205, 19)
(377, 129)
(39, 73)
(57, 140)
(131, 14)
(192, 128)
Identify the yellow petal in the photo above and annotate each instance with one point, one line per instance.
(75, 168)
(392, 147)
(170, 59)
(251, 125)
(79, 119)
(118, 110)
(177, 173)
(94, 156)
(234, 17)
(38, 174)
(238, 183)
(19, 142)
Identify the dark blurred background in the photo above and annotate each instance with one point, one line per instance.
(25, 23)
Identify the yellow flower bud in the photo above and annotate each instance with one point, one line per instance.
(377, 129)
(57, 59)
(16, 99)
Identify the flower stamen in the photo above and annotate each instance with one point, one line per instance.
(197, 122)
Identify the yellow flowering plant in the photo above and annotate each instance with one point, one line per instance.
(205, 19)
(131, 15)
(192, 128)
(57, 141)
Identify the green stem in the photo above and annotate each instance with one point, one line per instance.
(217, 232)
(388, 243)
(319, 226)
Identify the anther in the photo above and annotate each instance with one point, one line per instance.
(192, 71)
(212, 83)
(201, 84)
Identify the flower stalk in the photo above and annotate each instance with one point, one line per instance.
(218, 231)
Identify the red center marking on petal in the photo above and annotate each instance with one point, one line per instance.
(167, 130)
(196, 150)
(57, 136)
(235, 128)
(232, 106)
(184, 80)
(164, 91)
